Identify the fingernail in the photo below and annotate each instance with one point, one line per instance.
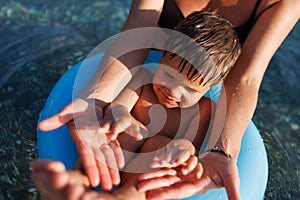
(154, 165)
(96, 182)
(140, 189)
(198, 175)
(139, 136)
(156, 158)
(117, 143)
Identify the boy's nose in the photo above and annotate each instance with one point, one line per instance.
(174, 92)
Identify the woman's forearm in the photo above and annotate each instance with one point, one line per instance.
(126, 52)
(240, 93)
(108, 82)
(233, 114)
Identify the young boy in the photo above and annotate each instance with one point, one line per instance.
(168, 107)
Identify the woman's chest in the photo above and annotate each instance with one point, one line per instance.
(238, 12)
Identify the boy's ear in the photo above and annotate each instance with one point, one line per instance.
(164, 53)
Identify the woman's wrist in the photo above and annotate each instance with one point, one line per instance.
(220, 150)
(233, 151)
(97, 102)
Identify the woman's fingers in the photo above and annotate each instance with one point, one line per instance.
(157, 174)
(111, 163)
(47, 165)
(232, 184)
(118, 153)
(177, 191)
(104, 174)
(57, 120)
(86, 155)
(77, 107)
(157, 183)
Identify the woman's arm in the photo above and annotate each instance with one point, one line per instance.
(143, 13)
(240, 93)
(235, 107)
(107, 84)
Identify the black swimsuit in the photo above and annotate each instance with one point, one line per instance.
(171, 15)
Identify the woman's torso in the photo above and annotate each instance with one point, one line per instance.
(241, 13)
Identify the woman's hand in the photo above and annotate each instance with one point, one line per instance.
(101, 158)
(218, 171)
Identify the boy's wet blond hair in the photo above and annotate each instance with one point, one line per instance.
(213, 50)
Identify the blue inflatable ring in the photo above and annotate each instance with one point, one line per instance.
(57, 144)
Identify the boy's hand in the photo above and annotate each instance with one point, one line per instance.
(179, 153)
(100, 157)
(219, 172)
(117, 119)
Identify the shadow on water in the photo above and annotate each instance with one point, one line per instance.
(32, 59)
(40, 41)
(29, 44)
(278, 116)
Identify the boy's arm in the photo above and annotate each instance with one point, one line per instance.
(178, 155)
(199, 125)
(131, 93)
(117, 116)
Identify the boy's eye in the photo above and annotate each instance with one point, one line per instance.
(169, 75)
(191, 89)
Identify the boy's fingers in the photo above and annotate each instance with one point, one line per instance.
(181, 157)
(134, 131)
(191, 164)
(114, 132)
(199, 170)
(168, 157)
(104, 126)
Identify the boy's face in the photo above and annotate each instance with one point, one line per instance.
(172, 88)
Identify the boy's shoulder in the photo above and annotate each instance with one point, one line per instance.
(207, 103)
(145, 71)
(146, 75)
(140, 79)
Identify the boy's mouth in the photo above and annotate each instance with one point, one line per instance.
(169, 99)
